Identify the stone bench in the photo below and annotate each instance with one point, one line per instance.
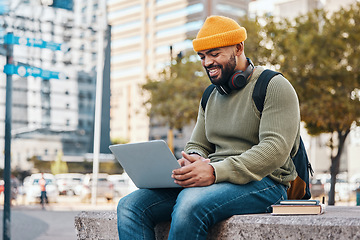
(338, 222)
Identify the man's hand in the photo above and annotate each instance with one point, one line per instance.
(195, 171)
(184, 161)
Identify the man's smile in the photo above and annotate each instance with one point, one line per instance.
(214, 71)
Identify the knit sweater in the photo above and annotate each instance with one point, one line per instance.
(241, 145)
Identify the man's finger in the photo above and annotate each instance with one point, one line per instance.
(185, 183)
(190, 157)
(206, 160)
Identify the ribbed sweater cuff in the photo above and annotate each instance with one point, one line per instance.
(221, 171)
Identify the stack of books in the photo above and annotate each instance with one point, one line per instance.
(298, 207)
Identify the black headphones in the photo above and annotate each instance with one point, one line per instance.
(237, 81)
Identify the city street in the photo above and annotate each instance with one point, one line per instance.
(56, 222)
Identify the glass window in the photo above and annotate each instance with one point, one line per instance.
(162, 49)
(125, 72)
(115, 1)
(228, 8)
(180, 29)
(125, 11)
(125, 27)
(182, 45)
(126, 57)
(182, 12)
(125, 41)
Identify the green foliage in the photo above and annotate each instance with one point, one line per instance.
(111, 167)
(59, 166)
(256, 45)
(174, 96)
(319, 53)
(41, 166)
(119, 141)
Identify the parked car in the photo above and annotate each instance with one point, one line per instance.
(15, 184)
(68, 182)
(105, 188)
(32, 188)
(123, 185)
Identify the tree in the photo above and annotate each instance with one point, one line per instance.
(319, 53)
(174, 96)
(255, 46)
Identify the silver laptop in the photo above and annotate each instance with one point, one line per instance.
(148, 164)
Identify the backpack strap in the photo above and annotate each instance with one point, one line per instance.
(259, 92)
(260, 88)
(206, 95)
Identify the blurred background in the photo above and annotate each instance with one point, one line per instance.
(145, 43)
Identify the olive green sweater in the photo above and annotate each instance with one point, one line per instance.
(242, 146)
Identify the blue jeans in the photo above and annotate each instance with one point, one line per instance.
(43, 197)
(193, 211)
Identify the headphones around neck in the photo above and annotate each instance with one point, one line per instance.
(237, 81)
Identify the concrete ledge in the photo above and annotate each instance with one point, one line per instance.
(336, 223)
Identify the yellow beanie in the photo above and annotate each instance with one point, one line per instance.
(218, 31)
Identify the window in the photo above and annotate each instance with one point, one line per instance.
(180, 29)
(182, 12)
(234, 10)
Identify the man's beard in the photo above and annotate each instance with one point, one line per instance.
(226, 71)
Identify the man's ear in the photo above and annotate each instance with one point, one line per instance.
(239, 48)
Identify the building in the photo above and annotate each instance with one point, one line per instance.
(293, 8)
(57, 110)
(145, 35)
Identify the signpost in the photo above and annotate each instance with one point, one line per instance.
(7, 165)
(33, 42)
(25, 71)
(9, 69)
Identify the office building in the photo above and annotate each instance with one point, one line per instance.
(142, 34)
(51, 114)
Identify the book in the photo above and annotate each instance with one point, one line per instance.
(299, 202)
(296, 209)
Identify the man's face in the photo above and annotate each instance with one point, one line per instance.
(219, 63)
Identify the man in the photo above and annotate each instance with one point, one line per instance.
(236, 162)
(43, 196)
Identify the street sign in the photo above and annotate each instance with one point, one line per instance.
(33, 42)
(25, 71)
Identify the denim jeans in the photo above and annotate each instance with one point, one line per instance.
(193, 211)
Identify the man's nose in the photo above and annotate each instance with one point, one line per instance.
(208, 61)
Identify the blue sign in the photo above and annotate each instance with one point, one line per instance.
(32, 42)
(25, 71)
(65, 4)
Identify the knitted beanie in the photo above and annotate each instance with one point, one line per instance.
(218, 31)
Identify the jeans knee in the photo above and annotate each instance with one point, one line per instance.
(189, 219)
(120, 206)
(189, 211)
(124, 209)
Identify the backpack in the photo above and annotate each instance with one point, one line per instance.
(300, 187)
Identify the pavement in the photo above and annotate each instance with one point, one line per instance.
(55, 222)
(67, 203)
